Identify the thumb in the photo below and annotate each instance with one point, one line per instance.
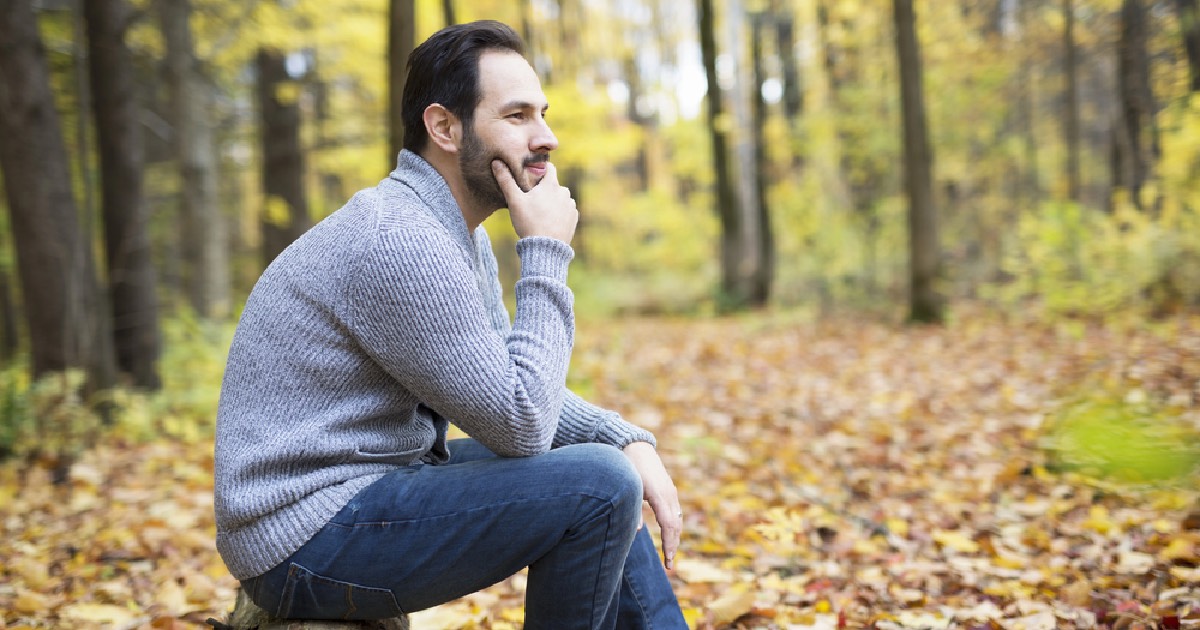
(504, 178)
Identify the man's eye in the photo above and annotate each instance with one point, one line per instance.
(517, 116)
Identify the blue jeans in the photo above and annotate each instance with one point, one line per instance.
(425, 535)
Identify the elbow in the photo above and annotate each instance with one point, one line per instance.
(523, 450)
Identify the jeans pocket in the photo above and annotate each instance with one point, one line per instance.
(307, 595)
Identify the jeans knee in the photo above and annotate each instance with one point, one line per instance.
(607, 471)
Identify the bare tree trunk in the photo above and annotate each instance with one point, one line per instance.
(131, 274)
(1135, 139)
(448, 12)
(1071, 116)
(1027, 78)
(925, 304)
(785, 42)
(764, 249)
(402, 36)
(203, 236)
(751, 272)
(728, 208)
(1189, 21)
(64, 306)
(285, 217)
(9, 339)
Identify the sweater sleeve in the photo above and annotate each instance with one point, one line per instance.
(417, 311)
(581, 421)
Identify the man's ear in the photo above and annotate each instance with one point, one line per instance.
(443, 127)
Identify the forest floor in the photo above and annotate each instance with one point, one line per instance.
(993, 473)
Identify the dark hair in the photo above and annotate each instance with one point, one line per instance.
(444, 69)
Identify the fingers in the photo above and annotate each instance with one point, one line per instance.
(670, 521)
(662, 496)
(551, 174)
(504, 177)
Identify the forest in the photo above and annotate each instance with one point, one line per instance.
(908, 291)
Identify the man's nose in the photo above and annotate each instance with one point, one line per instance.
(543, 140)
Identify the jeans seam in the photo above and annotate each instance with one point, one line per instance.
(607, 500)
(637, 598)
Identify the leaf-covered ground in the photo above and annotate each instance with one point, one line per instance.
(842, 473)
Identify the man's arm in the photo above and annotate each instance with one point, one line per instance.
(416, 309)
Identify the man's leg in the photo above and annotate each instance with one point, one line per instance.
(431, 534)
(646, 600)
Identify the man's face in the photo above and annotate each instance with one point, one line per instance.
(509, 125)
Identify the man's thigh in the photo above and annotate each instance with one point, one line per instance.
(431, 534)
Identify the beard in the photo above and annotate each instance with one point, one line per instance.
(475, 160)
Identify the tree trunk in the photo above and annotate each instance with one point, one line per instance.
(285, 216)
(1135, 139)
(765, 247)
(9, 337)
(1030, 179)
(1189, 21)
(63, 304)
(131, 274)
(785, 42)
(203, 237)
(1071, 116)
(402, 38)
(448, 12)
(925, 304)
(728, 210)
(247, 615)
(751, 273)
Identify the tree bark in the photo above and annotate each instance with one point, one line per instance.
(1189, 21)
(63, 304)
(1071, 116)
(285, 217)
(728, 209)
(752, 275)
(764, 249)
(448, 12)
(401, 41)
(9, 338)
(1135, 136)
(131, 274)
(785, 42)
(203, 234)
(924, 302)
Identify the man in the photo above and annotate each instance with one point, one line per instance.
(337, 493)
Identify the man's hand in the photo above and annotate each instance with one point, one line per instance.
(546, 210)
(660, 493)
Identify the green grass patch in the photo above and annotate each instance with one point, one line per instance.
(1124, 439)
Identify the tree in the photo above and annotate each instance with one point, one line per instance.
(925, 304)
(1189, 20)
(1071, 87)
(726, 201)
(131, 274)
(765, 247)
(63, 304)
(285, 217)
(202, 229)
(1135, 141)
(402, 38)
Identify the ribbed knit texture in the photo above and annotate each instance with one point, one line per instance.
(363, 339)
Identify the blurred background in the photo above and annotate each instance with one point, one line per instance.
(769, 191)
(823, 156)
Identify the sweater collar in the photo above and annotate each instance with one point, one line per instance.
(413, 171)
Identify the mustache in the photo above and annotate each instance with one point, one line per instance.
(537, 158)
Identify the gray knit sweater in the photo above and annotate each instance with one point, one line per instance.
(363, 339)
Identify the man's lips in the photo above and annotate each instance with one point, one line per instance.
(537, 164)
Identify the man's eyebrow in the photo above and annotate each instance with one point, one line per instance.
(524, 105)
